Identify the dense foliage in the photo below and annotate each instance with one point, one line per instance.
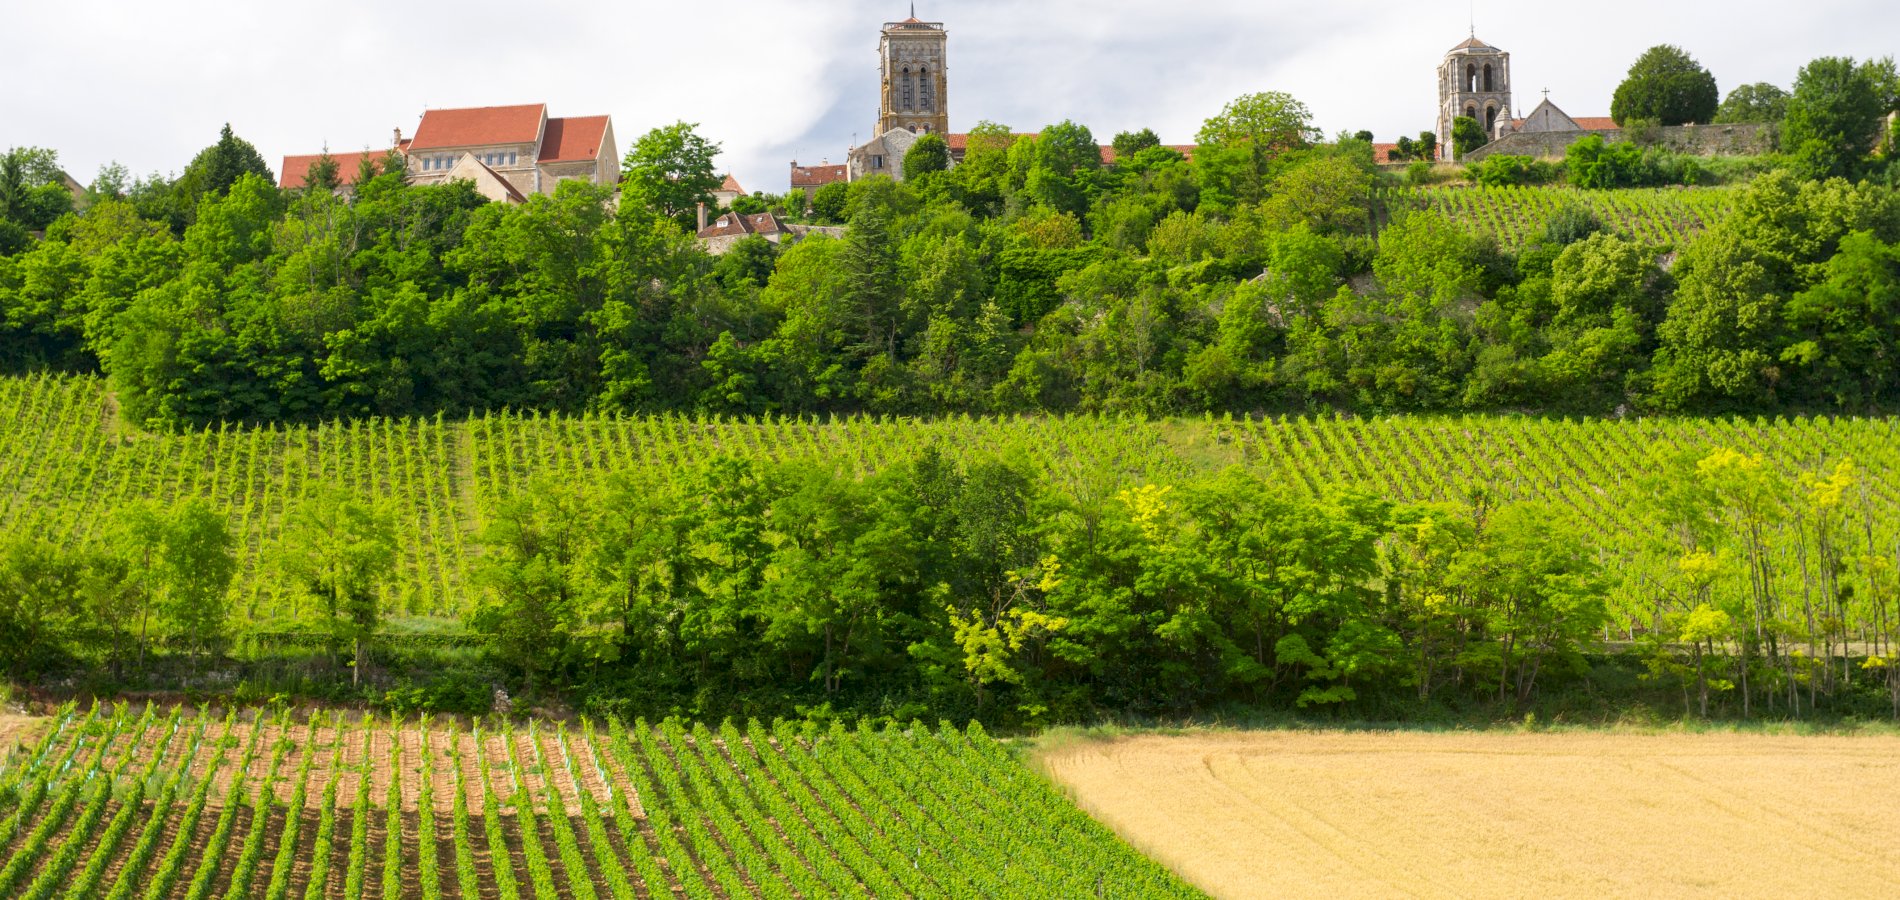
(1010, 570)
(1665, 86)
(1267, 272)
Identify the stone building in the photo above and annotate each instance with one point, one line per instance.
(913, 96)
(509, 152)
(913, 56)
(720, 234)
(1474, 81)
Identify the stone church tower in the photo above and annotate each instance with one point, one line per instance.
(1474, 81)
(914, 54)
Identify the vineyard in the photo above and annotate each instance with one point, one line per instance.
(65, 465)
(1514, 215)
(142, 804)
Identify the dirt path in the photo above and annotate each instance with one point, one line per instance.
(19, 731)
(1496, 815)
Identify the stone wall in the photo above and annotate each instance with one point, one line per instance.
(1700, 140)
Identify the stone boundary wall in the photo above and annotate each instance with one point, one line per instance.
(1699, 140)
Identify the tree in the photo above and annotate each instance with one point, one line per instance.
(1129, 143)
(1598, 165)
(41, 595)
(1667, 86)
(1758, 103)
(322, 174)
(669, 170)
(1834, 115)
(197, 561)
(533, 576)
(1271, 122)
(1847, 328)
(1467, 135)
(217, 167)
(339, 552)
(930, 153)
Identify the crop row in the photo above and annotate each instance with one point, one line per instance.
(138, 803)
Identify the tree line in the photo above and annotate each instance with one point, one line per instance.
(991, 590)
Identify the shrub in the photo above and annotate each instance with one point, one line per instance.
(1511, 170)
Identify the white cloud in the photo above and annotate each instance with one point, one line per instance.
(148, 83)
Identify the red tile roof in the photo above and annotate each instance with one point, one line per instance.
(1595, 123)
(574, 139)
(731, 186)
(295, 171)
(480, 126)
(818, 176)
(733, 224)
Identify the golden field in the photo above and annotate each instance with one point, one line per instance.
(1303, 814)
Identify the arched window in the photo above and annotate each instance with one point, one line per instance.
(1491, 121)
(1471, 77)
(1487, 78)
(1471, 112)
(926, 89)
(910, 91)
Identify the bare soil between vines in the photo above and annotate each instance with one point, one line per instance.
(1502, 815)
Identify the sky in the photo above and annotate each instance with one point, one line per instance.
(148, 83)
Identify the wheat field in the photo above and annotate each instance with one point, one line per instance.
(1501, 814)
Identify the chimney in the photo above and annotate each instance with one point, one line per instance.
(702, 217)
(397, 144)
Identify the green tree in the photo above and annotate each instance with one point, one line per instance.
(533, 577)
(930, 153)
(1847, 328)
(197, 562)
(1834, 115)
(1467, 135)
(340, 553)
(669, 170)
(1129, 143)
(215, 170)
(322, 174)
(1758, 103)
(41, 596)
(1271, 122)
(1667, 86)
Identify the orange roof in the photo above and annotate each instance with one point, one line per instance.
(732, 224)
(479, 126)
(818, 176)
(574, 139)
(731, 186)
(295, 172)
(1595, 123)
(1473, 44)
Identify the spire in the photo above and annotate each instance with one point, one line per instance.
(913, 9)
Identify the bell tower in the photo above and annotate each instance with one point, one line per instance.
(915, 89)
(1474, 81)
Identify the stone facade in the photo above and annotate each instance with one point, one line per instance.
(1474, 81)
(882, 155)
(1701, 140)
(913, 57)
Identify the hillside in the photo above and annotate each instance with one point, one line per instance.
(1515, 215)
(66, 465)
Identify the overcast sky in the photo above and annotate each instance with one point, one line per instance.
(149, 82)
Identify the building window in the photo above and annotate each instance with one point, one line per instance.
(910, 91)
(511, 157)
(1471, 112)
(1487, 78)
(877, 162)
(1471, 77)
(927, 89)
(1491, 122)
